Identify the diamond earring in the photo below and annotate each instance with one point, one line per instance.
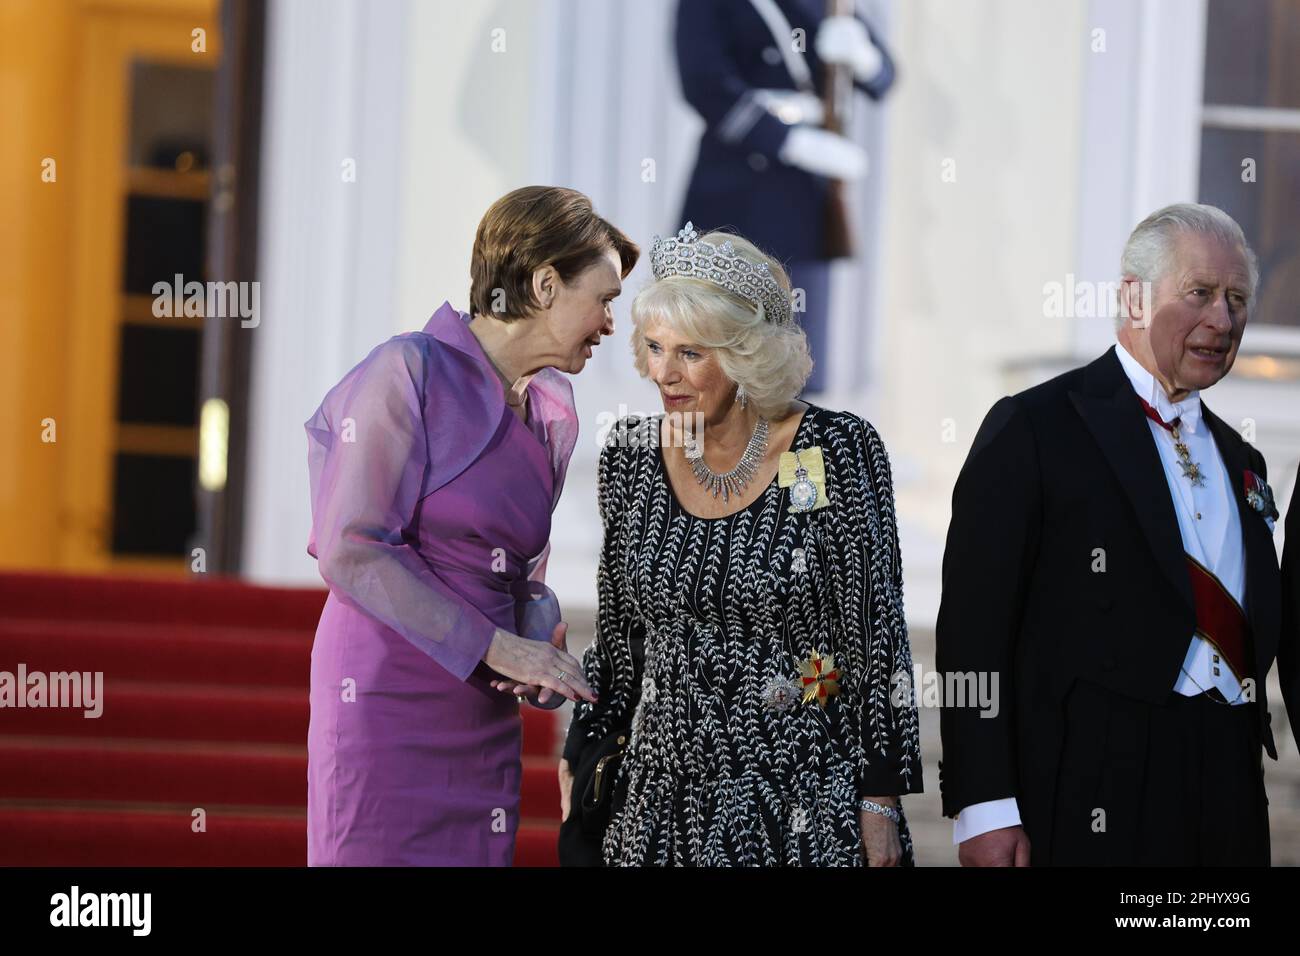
(742, 397)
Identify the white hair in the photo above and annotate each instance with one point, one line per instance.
(770, 361)
(1149, 252)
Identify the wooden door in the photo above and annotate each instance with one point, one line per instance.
(141, 157)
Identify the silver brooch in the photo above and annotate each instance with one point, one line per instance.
(780, 693)
(798, 561)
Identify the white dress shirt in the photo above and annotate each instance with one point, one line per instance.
(1211, 531)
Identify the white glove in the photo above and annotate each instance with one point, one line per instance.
(792, 106)
(823, 153)
(845, 40)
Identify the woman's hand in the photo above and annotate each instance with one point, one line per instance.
(880, 843)
(566, 788)
(540, 696)
(537, 668)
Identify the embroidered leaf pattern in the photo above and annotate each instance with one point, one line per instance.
(711, 775)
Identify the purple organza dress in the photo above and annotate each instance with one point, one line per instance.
(431, 510)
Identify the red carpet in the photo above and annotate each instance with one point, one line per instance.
(205, 706)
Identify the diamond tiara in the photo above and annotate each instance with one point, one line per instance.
(688, 255)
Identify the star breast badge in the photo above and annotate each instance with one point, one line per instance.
(819, 677)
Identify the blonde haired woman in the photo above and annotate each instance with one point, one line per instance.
(750, 632)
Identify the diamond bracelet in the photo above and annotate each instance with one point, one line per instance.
(872, 807)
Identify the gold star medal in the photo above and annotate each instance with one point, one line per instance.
(820, 678)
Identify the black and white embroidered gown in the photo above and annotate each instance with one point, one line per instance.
(698, 615)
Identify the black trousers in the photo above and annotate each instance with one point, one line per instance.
(1174, 785)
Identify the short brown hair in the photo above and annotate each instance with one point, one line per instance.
(532, 227)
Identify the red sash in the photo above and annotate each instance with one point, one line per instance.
(1220, 619)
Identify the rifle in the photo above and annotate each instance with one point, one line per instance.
(837, 101)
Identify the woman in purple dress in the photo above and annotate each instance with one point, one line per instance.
(435, 465)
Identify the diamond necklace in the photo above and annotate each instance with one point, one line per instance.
(731, 482)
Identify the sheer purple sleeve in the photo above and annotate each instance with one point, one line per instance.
(368, 457)
(537, 610)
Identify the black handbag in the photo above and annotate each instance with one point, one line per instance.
(598, 788)
(593, 800)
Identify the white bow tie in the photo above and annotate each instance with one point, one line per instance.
(1188, 411)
